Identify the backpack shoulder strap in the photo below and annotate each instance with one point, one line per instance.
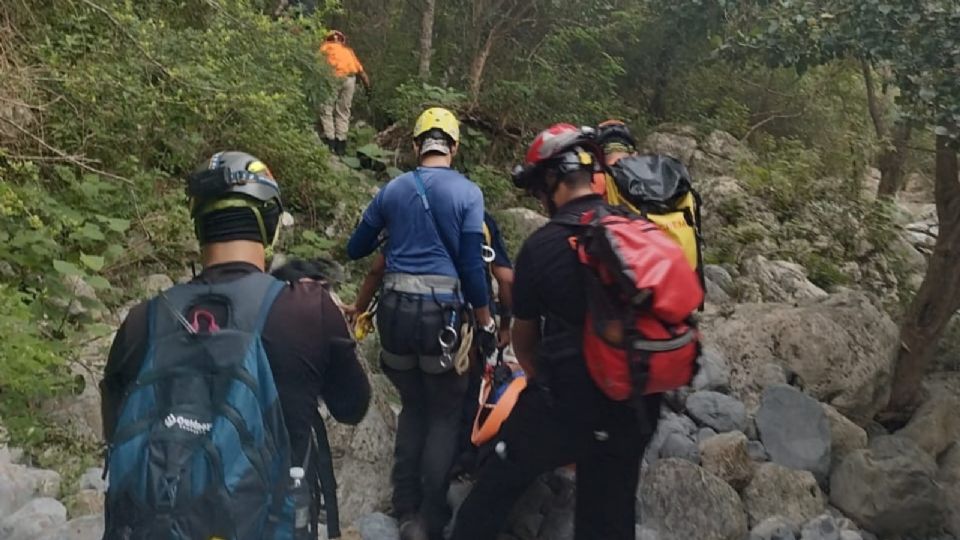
(422, 192)
(250, 299)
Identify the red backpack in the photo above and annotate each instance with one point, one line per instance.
(640, 336)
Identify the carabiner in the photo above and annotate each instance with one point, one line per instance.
(487, 254)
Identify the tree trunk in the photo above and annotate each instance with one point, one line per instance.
(426, 38)
(892, 161)
(479, 64)
(939, 295)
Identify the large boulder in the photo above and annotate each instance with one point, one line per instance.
(822, 527)
(726, 456)
(842, 348)
(774, 528)
(778, 491)
(845, 436)
(936, 424)
(521, 222)
(714, 371)
(363, 456)
(19, 484)
(33, 519)
(82, 528)
(679, 142)
(889, 488)
(949, 477)
(779, 281)
(681, 501)
(718, 411)
(674, 432)
(795, 430)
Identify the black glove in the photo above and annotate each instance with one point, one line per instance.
(487, 339)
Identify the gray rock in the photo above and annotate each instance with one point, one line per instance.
(849, 365)
(378, 527)
(83, 528)
(93, 479)
(774, 528)
(523, 221)
(851, 535)
(779, 491)
(670, 423)
(714, 372)
(86, 502)
(718, 411)
(682, 501)
(19, 484)
(155, 283)
(780, 281)
(949, 476)
(757, 451)
(678, 146)
(33, 519)
(726, 456)
(705, 433)
(715, 294)
(845, 436)
(795, 430)
(644, 533)
(889, 488)
(720, 277)
(680, 446)
(363, 455)
(936, 424)
(822, 527)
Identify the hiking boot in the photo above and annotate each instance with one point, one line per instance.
(328, 143)
(340, 147)
(413, 528)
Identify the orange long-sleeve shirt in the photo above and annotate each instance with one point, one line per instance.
(341, 58)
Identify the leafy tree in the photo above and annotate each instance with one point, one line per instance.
(917, 46)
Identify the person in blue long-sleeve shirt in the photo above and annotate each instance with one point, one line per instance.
(433, 219)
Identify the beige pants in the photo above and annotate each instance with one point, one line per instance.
(335, 116)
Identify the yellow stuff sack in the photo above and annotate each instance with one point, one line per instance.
(659, 189)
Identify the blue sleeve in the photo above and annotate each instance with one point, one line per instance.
(473, 212)
(363, 242)
(365, 237)
(471, 269)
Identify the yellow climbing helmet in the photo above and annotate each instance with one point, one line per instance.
(440, 119)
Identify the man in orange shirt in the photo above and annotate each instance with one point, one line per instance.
(335, 117)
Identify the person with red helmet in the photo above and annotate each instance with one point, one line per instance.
(562, 417)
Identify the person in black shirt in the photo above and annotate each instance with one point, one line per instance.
(310, 350)
(562, 417)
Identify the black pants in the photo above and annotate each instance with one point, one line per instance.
(606, 444)
(427, 442)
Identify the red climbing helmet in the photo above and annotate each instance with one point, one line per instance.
(564, 147)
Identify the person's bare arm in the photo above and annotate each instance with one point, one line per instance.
(526, 341)
(371, 282)
(504, 277)
(364, 79)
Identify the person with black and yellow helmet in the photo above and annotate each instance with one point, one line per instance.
(211, 387)
(433, 217)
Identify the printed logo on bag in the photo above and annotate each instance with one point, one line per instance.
(187, 424)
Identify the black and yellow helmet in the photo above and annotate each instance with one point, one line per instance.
(235, 180)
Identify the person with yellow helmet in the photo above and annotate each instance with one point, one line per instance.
(433, 217)
(335, 116)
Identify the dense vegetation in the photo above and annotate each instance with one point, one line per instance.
(105, 104)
